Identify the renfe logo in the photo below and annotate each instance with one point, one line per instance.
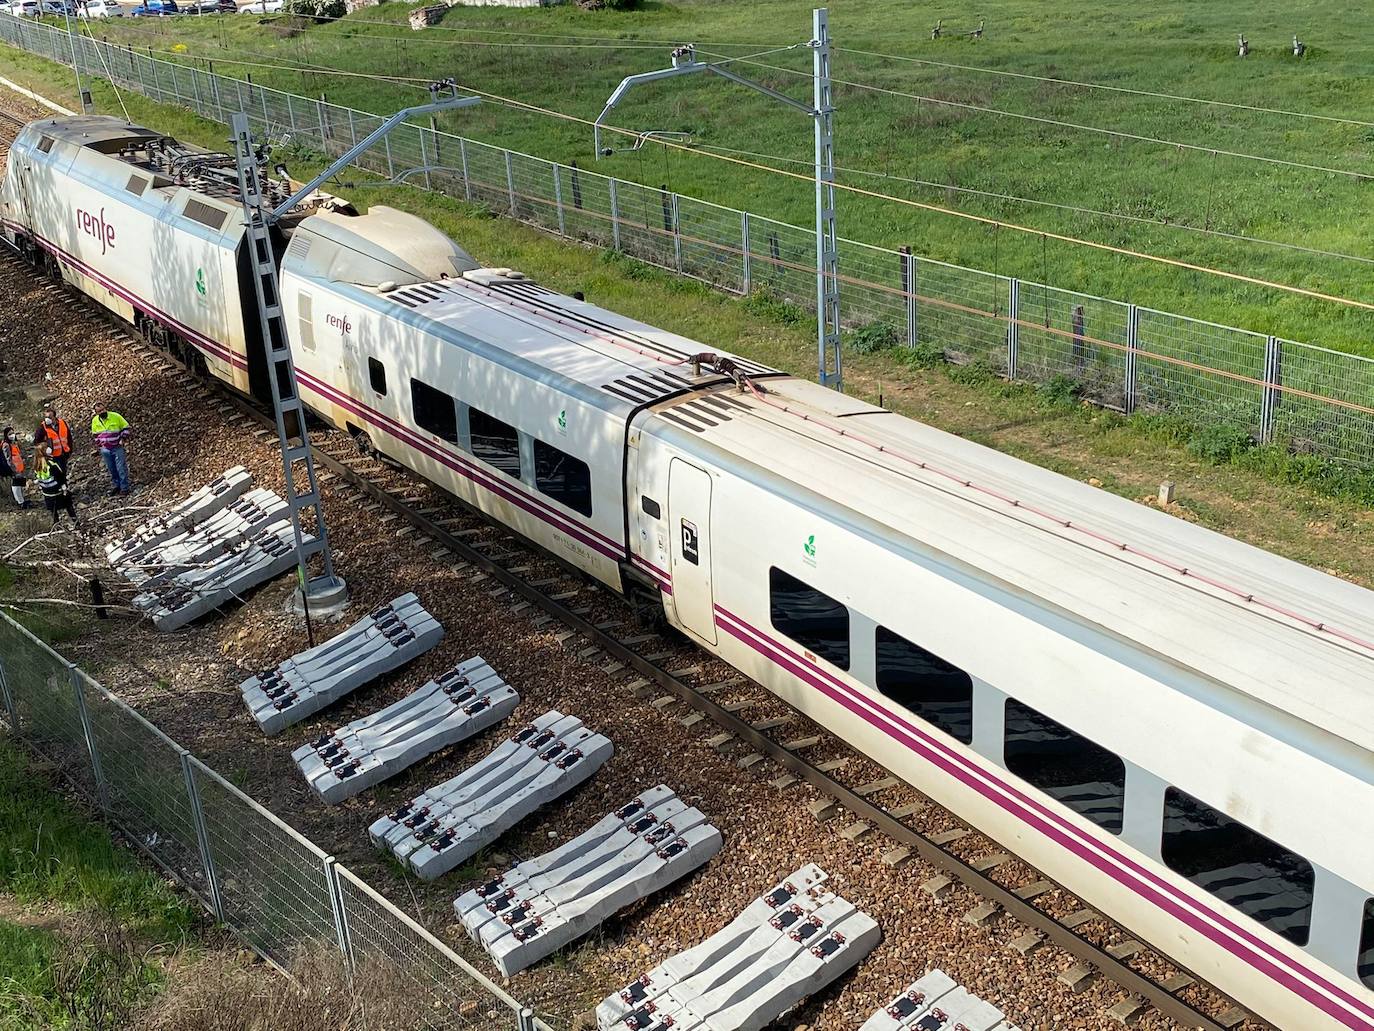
(97, 227)
(338, 322)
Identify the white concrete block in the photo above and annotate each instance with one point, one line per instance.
(609, 834)
(450, 708)
(194, 593)
(245, 517)
(445, 825)
(706, 965)
(551, 919)
(913, 1004)
(223, 490)
(785, 946)
(384, 640)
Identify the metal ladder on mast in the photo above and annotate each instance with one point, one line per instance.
(282, 371)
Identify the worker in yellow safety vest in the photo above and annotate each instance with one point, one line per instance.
(111, 431)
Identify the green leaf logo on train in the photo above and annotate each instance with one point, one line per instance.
(809, 548)
(200, 281)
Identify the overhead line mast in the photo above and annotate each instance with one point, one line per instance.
(684, 62)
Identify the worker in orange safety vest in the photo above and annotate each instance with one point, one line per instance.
(12, 465)
(53, 431)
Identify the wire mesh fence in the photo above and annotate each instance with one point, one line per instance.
(280, 892)
(1310, 399)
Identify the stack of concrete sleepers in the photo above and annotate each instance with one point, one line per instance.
(545, 903)
(255, 511)
(937, 1001)
(450, 708)
(385, 639)
(786, 945)
(193, 593)
(216, 495)
(437, 830)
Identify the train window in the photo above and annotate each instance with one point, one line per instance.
(812, 619)
(1241, 867)
(305, 319)
(376, 375)
(923, 683)
(495, 442)
(650, 506)
(45, 144)
(434, 411)
(136, 185)
(1065, 765)
(563, 477)
(1364, 963)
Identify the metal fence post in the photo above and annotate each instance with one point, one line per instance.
(80, 694)
(1273, 388)
(1128, 399)
(336, 902)
(352, 129)
(324, 132)
(434, 135)
(157, 86)
(266, 117)
(463, 160)
(526, 1018)
(390, 164)
(909, 293)
(425, 162)
(615, 215)
(746, 269)
(677, 235)
(11, 713)
(202, 838)
(195, 85)
(1013, 325)
(510, 183)
(558, 200)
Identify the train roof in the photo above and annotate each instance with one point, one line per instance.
(618, 363)
(1289, 636)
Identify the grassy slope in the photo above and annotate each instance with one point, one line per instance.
(1264, 498)
(55, 865)
(1176, 46)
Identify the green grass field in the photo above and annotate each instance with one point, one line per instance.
(1177, 47)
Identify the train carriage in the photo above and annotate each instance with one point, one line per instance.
(1187, 751)
(92, 194)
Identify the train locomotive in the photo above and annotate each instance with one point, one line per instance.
(1177, 727)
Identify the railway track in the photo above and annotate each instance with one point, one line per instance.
(743, 720)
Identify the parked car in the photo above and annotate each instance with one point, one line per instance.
(210, 7)
(154, 9)
(23, 9)
(102, 9)
(54, 7)
(261, 7)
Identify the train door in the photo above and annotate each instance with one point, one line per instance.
(689, 517)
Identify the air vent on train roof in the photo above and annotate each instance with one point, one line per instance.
(705, 412)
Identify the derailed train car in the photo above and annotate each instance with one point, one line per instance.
(1177, 727)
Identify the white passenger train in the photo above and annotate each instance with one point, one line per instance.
(1177, 727)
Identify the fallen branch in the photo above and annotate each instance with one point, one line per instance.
(19, 603)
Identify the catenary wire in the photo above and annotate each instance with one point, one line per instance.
(1077, 126)
(1073, 208)
(1112, 89)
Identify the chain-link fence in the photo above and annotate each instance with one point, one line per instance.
(283, 895)
(1307, 398)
